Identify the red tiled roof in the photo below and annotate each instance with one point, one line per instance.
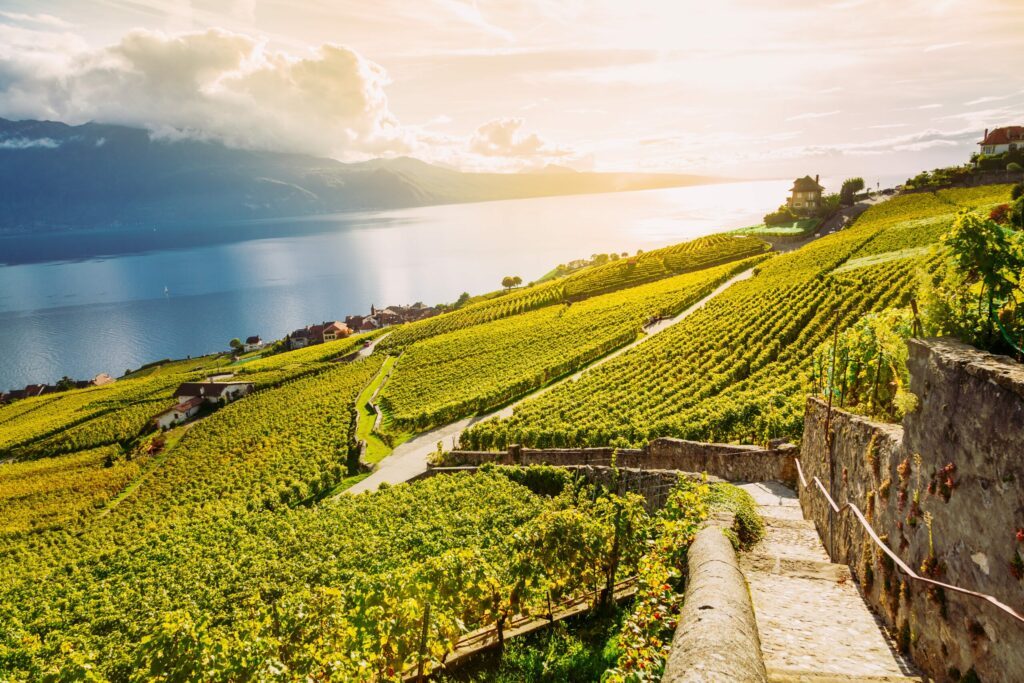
(1003, 136)
(252, 340)
(185, 406)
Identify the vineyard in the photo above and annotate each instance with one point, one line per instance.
(693, 255)
(739, 368)
(477, 368)
(357, 590)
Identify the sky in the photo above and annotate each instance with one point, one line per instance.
(741, 88)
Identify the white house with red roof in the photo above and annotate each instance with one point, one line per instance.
(1000, 140)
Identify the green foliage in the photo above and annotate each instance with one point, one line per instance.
(748, 527)
(543, 480)
(739, 368)
(652, 265)
(646, 635)
(851, 186)
(977, 292)
(864, 368)
(780, 216)
(1014, 167)
(1017, 214)
(1017, 191)
(467, 371)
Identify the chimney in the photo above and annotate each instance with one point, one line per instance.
(816, 176)
(986, 135)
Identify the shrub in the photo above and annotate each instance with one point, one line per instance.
(1014, 167)
(1000, 214)
(1017, 214)
(781, 216)
(1017, 191)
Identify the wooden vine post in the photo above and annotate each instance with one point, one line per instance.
(423, 644)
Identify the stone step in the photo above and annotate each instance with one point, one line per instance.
(796, 567)
(790, 676)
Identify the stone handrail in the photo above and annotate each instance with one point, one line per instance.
(903, 566)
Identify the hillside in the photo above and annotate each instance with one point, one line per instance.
(222, 541)
(58, 177)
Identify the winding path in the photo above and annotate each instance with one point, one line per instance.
(410, 459)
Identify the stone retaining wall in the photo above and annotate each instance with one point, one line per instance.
(968, 432)
(725, 461)
(716, 639)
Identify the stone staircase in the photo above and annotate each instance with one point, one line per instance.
(813, 623)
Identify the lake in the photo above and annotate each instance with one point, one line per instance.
(170, 295)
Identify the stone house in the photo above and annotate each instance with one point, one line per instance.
(805, 195)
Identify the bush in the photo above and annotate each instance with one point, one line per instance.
(1017, 214)
(1000, 214)
(1014, 167)
(1017, 191)
(781, 216)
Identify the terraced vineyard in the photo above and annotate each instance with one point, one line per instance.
(699, 253)
(739, 368)
(480, 367)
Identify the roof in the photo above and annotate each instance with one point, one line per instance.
(1005, 135)
(806, 184)
(185, 406)
(253, 340)
(207, 389)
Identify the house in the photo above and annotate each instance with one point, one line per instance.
(299, 339)
(213, 392)
(179, 413)
(252, 344)
(335, 330)
(101, 379)
(369, 324)
(1000, 140)
(805, 195)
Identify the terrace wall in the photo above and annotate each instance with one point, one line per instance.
(726, 461)
(957, 460)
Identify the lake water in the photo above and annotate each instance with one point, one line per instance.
(110, 313)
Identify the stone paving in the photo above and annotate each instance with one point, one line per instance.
(813, 623)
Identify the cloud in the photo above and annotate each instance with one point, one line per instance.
(813, 115)
(944, 46)
(26, 143)
(505, 138)
(41, 19)
(215, 84)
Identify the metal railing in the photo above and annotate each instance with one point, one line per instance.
(903, 566)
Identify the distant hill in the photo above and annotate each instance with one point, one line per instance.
(58, 177)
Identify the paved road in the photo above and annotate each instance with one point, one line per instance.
(410, 459)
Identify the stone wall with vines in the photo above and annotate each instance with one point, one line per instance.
(945, 491)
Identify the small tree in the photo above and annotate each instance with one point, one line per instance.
(516, 280)
(507, 282)
(462, 300)
(851, 186)
(235, 343)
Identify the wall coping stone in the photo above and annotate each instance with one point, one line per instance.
(717, 637)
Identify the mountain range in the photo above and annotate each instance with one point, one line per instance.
(57, 177)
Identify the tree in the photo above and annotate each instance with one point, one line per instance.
(507, 282)
(516, 280)
(851, 186)
(235, 343)
(462, 300)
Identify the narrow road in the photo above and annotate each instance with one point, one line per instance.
(410, 459)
